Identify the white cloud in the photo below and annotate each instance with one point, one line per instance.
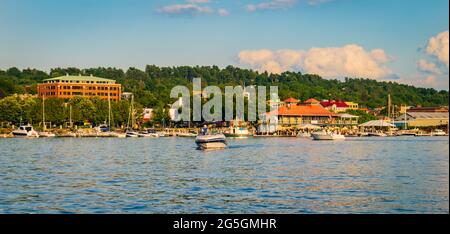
(281, 4)
(272, 5)
(197, 1)
(192, 7)
(426, 66)
(438, 47)
(330, 62)
(189, 8)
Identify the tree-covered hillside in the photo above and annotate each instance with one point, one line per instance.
(152, 86)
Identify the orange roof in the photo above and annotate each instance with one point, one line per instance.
(312, 100)
(291, 100)
(309, 110)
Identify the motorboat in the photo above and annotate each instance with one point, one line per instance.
(438, 132)
(46, 134)
(25, 131)
(376, 134)
(407, 133)
(130, 133)
(148, 135)
(213, 141)
(327, 136)
(187, 134)
(237, 132)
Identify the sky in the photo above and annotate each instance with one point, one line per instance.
(404, 41)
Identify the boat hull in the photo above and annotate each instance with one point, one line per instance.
(327, 137)
(205, 142)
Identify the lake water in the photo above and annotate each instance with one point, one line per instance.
(255, 175)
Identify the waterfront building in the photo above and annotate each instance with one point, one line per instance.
(335, 106)
(293, 114)
(352, 105)
(423, 119)
(84, 86)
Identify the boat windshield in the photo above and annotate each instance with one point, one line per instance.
(28, 129)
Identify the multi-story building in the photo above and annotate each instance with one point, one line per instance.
(84, 86)
(352, 105)
(335, 106)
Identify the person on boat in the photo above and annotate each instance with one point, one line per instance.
(205, 130)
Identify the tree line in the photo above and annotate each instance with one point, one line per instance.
(152, 85)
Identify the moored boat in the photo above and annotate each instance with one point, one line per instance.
(148, 135)
(327, 136)
(376, 134)
(25, 131)
(46, 134)
(187, 134)
(438, 132)
(237, 132)
(130, 133)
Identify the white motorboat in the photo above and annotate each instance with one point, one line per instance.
(327, 136)
(237, 132)
(132, 134)
(187, 134)
(25, 131)
(438, 132)
(148, 135)
(215, 141)
(46, 134)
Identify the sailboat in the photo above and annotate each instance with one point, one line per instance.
(44, 127)
(130, 123)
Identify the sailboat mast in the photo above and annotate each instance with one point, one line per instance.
(43, 112)
(109, 110)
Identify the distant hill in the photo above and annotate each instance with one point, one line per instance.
(152, 86)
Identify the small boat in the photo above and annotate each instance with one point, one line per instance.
(377, 134)
(438, 132)
(304, 134)
(187, 134)
(327, 136)
(237, 132)
(407, 133)
(25, 131)
(215, 141)
(46, 134)
(363, 134)
(131, 134)
(148, 135)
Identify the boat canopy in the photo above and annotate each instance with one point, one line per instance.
(377, 123)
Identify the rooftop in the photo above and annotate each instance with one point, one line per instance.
(291, 100)
(333, 102)
(80, 78)
(302, 110)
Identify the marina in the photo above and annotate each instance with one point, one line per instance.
(255, 175)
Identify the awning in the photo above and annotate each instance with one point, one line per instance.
(377, 123)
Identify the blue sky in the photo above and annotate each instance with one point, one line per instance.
(384, 40)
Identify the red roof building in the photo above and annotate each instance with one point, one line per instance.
(335, 106)
(292, 115)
